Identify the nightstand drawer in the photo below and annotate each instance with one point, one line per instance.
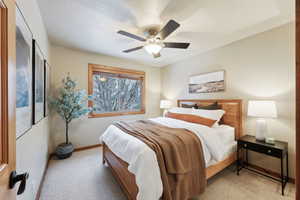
(261, 149)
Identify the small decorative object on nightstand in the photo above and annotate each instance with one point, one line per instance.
(165, 104)
(278, 150)
(270, 140)
(262, 110)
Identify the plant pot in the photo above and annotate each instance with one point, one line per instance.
(64, 150)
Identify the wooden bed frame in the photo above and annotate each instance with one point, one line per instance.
(232, 117)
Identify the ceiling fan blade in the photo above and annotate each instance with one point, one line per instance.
(156, 55)
(132, 36)
(169, 28)
(178, 45)
(133, 49)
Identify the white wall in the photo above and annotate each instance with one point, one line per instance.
(86, 131)
(32, 148)
(259, 67)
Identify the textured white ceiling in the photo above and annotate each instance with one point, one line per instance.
(92, 25)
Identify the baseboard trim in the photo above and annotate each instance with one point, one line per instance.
(87, 147)
(38, 194)
(268, 171)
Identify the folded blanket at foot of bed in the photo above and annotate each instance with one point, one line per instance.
(179, 155)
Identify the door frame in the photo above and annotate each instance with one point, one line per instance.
(297, 99)
(3, 85)
(7, 96)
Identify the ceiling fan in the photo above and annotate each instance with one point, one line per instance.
(154, 39)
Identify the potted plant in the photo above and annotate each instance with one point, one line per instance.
(70, 103)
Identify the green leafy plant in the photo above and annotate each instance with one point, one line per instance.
(70, 103)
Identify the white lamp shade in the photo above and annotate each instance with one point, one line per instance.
(262, 109)
(165, 104)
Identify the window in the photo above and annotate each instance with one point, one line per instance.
(116, 91)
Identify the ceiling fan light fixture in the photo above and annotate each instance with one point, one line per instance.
(153, 48)
(155, 39)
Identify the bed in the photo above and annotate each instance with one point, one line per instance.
(129, 181)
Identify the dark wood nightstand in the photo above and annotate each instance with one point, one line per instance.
(278, 150)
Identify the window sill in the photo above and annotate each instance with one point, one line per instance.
(116, 114)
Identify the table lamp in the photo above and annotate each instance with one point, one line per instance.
(165, 104)
(262, 110)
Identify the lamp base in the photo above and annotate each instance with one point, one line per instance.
(165, 112)
(261, 130)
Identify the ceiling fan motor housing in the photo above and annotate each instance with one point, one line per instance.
(151, 32)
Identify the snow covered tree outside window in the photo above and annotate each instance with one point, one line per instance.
(114, 92)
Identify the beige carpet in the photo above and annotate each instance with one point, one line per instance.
(83, 177)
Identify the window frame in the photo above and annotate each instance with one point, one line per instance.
(96, 68)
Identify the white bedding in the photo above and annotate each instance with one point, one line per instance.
(226, 133)
(217, 143)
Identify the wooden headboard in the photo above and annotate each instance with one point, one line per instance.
(233, 108)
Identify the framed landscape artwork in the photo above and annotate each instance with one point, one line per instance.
(46, 87)
(23, 76)
(38, 83)
(208, 82)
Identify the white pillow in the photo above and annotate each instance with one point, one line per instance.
(210, 114)
(181, 110)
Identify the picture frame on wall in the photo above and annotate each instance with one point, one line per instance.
(47, 69)
(207, 82)
(38, 83)
(23, 76)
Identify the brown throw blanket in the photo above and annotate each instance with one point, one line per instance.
(179, 155)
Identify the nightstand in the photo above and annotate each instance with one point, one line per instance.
(278, 150)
